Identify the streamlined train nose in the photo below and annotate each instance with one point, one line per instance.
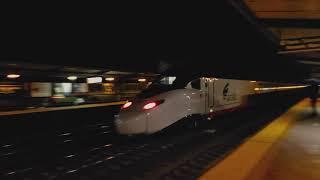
(131, 122)
(131, 127)
(134, 116)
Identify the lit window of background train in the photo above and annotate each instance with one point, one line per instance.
(21, 95)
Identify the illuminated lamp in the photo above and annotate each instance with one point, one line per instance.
(142, 80)
(72, 78)
(13, 76)
(109, 79)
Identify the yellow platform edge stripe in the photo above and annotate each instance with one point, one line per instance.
(47, 109)
(251, 159)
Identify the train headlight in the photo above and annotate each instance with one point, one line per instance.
(152, 104)
(126, 105)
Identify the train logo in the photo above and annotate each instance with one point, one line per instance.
(227, 95)
(225, 91)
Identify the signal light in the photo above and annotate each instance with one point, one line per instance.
(153, 104)
(126, 105)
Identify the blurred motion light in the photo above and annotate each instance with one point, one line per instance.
(278, 88)
(13, 76)
(94, 80)
(142, 80)
(109, 79)
(58, 97)
(72, 78)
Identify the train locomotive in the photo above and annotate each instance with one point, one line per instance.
(162, 104)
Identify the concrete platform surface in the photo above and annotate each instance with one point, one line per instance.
(297, 154)
(288, 148)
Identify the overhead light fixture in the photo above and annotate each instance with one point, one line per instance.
(94, 80)
(109, 79)
(253, 81)
(13, 76)
(142, 80)
(72, 78)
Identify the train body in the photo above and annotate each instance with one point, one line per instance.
(162, 104)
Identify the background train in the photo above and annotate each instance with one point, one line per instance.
(163, 104)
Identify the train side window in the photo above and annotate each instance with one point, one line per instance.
(195, 84)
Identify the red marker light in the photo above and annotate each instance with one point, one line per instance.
(151, 105)
(126, 105)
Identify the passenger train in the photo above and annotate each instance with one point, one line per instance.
(162, 104)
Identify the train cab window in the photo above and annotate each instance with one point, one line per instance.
(167, 80)
(163, 85)
(195, 84)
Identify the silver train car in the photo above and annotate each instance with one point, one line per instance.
(162, 104)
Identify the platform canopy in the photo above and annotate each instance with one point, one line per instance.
(297, 25)
(285, 9)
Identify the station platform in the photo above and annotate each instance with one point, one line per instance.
(288, 148)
